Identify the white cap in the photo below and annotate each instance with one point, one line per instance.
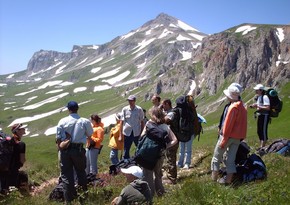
(259, 87)
(134, 170)
(232, 92)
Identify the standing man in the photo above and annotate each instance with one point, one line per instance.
(263, 108)
(171, 153)
(132, 124)
(73, 158)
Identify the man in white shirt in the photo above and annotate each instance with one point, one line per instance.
(132, 124)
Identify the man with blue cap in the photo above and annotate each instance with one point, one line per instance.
(77, 130)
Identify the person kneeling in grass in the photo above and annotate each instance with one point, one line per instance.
(137, 192)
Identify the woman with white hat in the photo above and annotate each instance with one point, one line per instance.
(232, 131)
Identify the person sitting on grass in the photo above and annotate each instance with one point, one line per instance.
(137, 192)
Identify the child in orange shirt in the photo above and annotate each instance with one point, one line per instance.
(116, 143)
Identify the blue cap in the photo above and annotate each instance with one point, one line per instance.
(72, 105)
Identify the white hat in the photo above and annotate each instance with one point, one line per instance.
(134, 170)
(232, 92)
(259, 87)
(238, 86)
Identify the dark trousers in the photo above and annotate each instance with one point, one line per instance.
(262, 127)
(70, 159)
(128, 141)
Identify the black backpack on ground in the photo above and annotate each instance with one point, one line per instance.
(185, 122)
(124, 163)
(150, 146)
(57, 193)
(252, 169)
(6, 151)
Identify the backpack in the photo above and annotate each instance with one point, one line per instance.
(150, 146)
(242, 153)
(185, 122)
(57, 193)
(6, 151)
(253, 169)
(276, 103)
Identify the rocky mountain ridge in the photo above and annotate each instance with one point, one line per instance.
(171, 54)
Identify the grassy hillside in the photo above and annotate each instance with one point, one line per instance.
(194, 186)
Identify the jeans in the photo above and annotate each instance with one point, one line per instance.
(232, 145)
(92, 160)
(70, 159)
(128, 141)
(185, 152)
(114, 156)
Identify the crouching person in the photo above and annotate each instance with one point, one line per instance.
(137, 192)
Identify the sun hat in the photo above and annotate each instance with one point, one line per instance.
(259, 87)
(134, 170)
(238, 86)
(72, 105)
(232, 92)
(131, 97)
(17, 126)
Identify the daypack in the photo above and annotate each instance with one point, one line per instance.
(6, 151)
(276, 103)
(150, 146)
(185, 122)
(253, 169)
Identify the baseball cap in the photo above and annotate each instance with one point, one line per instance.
(259, 87)
(131, 97)
(72, 105)
(134, 170)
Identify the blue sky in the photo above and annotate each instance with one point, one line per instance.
(27, 26)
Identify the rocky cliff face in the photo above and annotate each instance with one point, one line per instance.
(260, 55)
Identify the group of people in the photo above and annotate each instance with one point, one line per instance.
(232, 129)
(85, 143)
